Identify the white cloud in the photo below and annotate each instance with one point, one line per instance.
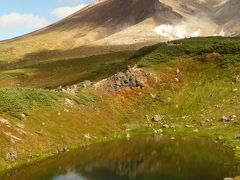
(62, 12)
(14, 21)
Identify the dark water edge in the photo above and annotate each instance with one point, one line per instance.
(182, 158)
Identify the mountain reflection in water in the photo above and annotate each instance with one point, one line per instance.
(139, 158)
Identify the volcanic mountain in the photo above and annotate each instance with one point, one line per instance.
(115, 25)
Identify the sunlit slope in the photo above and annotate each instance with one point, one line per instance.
(93, 23)
(193, 84)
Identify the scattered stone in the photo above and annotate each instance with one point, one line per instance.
(176, 79)
(238, 79)
(69, 90)
(157, 131)
(157, 118)
(195, 130)
(219, 138)
(172, 126)
(165, 126)
(128, 136)
(12, 156)
(169, 99)
(59, 114)
(68, 102)
(207, 120)
(153, 95)
(147, 117)
(63, 150)
(5, 122)
(86, 83)
(235, 90)
(224, 119)
(178, 71)
(23, 116)
(66, 110)
(228, 178)
(188, 126)
(173, 138)
(87, 136)
(59, 88)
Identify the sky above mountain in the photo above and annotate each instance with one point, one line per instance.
(18, 17)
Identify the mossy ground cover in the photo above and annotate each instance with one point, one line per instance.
(199, 84)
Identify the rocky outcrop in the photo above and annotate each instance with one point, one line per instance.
(124, 79)
(131, 77)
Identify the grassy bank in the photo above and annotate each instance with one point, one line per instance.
(197, 95)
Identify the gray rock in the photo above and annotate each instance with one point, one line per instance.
(86, 83)
(125, 82)
(220, 138)
(68, 102)
(128, 136)
(165, 126)
(157, 118)
(12, 156)
(228, 178)
(147, 117)
(153, 95)
(63, 150)
(127, 78)
(172, 126)
(235, 90)
(196, 130)
(178, 71)
(157, 131)
(224, 119)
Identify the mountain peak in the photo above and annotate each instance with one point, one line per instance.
(109, 25)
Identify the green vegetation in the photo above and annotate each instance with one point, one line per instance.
(195, 47)
(51, 74)
(17, 102)
(199, 84)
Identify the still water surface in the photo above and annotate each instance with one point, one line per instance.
(140, 158)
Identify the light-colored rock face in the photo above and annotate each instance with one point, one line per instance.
(213, 2)
(98, 1)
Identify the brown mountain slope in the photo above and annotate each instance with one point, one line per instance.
(116, 25)
(90, 24)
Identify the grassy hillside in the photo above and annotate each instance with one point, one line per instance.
(51, 74)
(197, 94)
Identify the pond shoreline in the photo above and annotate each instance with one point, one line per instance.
(134, 133)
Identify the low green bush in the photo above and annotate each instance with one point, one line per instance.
(17, 102)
